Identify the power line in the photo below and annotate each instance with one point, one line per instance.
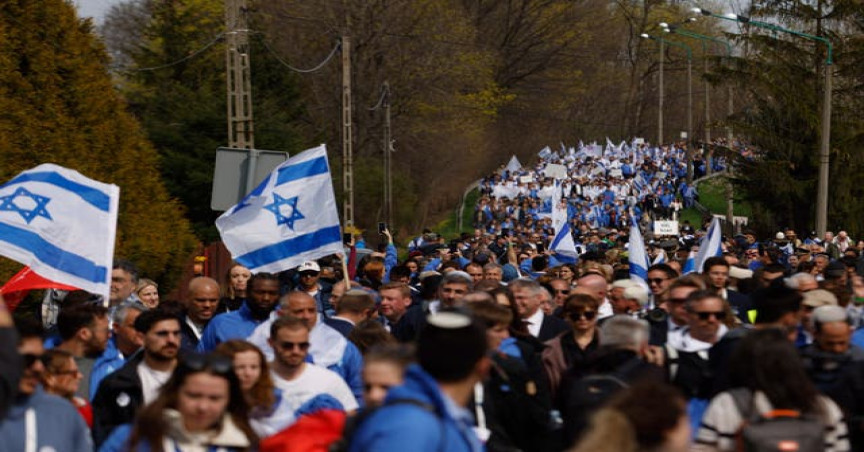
(302, 71)
(184, 59)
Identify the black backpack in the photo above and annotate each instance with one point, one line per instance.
(590, 393)
(776, 430)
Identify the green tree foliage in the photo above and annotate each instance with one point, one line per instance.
(176, 87)
(59, 105)
(783, 78)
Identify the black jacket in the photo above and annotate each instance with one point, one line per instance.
(117, 400)
(10, 368)
(552, 326)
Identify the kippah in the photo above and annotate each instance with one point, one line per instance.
(449, 320)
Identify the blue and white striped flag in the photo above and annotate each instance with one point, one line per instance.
(61, 224)
(290, 218)
(710, 246)
(564, 246)
(637, 257)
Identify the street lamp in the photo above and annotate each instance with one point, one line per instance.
(675, 28)
(824, 156)
(689, 96)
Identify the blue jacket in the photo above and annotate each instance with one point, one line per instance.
(404, 426)
(231, 325)
(59, 427)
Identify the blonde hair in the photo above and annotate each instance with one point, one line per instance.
(144, 282)
(610, 431)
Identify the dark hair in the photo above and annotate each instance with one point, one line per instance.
(399, 271)
(145, 321)
(699, 295)
(28, 327)
(150, 426)
(774, 302)
(127, 267)
(665, 268)
(400, 354)
(264, 276)
(71, 319)
(653, 410)
(369, 334)
(261, 397)
(287, 322)
(579, 302)
(774, 268)
(766, 361)
(449, 354)
(714, 261)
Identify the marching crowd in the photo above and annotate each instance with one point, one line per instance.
(491, 340)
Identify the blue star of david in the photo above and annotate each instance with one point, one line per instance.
(7, 203)
(276, 208)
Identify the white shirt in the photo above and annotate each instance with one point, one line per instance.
(151, 381)
(535, 322)
(314, 380)
(682, 340)
(605, 310)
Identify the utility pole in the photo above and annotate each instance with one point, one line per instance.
(660, 107)
(239, 75)
(388, 159)
(347, 136)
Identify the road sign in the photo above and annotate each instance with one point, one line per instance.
(238, 171)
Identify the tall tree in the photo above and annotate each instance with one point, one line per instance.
(59, 105)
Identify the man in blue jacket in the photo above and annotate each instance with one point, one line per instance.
(427, 413)
(239, 324)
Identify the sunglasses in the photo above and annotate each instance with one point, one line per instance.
(308, 274)
(656, 280)
(587, 315)
(705, 315)
(677, 300)
(30, 359)
(197, 362)
(291, 345)
(563, 291)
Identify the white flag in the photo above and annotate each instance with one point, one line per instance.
(62, 225)
(290, 218)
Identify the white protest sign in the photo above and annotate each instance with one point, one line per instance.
(665, 227)
(556, 171)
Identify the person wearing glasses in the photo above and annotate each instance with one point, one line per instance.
(687, 348)
(299, 380)
(571, 348)
(309, 274)
(61, 378)
(38, 421)
(137, 383)
(200, 408)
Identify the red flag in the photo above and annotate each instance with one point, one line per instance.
(23, 282)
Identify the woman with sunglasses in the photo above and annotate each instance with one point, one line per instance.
(570, 349)
(200, 408)
(61, 378)
(262, 396)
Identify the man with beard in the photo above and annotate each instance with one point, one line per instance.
(85, 332)
(299, 380)
(262, 295)
(137, 383)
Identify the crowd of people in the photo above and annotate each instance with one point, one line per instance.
(485, 341)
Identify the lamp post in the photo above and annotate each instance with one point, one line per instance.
(705, 39)
(689, 95)
(825, 139)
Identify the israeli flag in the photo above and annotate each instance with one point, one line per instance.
(62, 225)
(290, 218)
(637, 257)
(564, 246)
(660, 258)
(710, 246)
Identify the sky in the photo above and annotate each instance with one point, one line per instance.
(95, 8)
